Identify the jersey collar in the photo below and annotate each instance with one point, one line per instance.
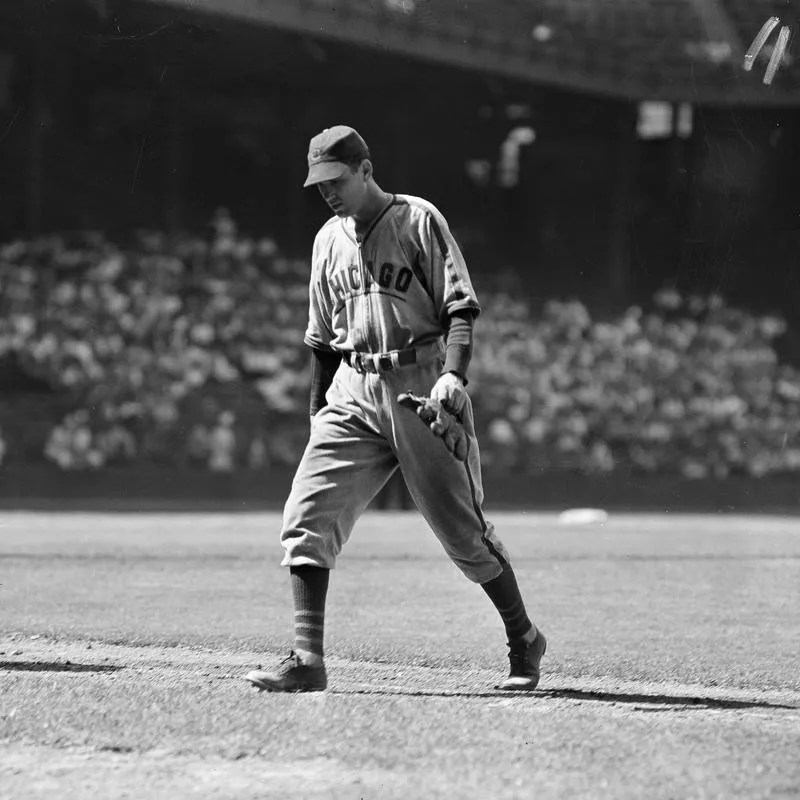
(349, 224)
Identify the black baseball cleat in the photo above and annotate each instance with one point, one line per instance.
(524, 659)
(291, 675)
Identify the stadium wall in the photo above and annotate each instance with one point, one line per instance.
(152, 489)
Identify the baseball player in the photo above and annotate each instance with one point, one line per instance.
(391, 312)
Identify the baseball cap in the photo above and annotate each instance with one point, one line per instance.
(330, 151)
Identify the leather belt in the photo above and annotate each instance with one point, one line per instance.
(380, 362)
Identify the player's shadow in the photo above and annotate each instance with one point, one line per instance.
(55, 666)
(641, 702)
(662, 702)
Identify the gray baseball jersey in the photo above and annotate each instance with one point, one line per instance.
(395, 289)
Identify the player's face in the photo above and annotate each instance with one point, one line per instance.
(345, 195)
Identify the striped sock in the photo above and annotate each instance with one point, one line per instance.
(504, 592)
(309, 589)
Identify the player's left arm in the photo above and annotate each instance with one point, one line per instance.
(448, 276)
(457, 307)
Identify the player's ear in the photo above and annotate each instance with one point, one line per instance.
(366, 169)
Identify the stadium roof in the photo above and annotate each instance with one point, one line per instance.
(674, 50)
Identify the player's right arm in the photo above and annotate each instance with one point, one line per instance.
(319, 333)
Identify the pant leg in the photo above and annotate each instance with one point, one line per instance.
(448, 493)
(345, 464)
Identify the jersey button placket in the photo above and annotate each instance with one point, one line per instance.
(365, 287)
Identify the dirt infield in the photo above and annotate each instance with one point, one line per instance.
(176, 722)
(671, 673)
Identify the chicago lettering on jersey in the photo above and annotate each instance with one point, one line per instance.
(351, 280)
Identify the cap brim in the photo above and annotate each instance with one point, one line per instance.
(325, 171)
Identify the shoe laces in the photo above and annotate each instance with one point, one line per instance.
(518, 654)
(291, 660)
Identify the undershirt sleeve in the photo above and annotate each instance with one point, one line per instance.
(458, 348)
(324, 364)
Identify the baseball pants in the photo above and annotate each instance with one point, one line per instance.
(356, 442)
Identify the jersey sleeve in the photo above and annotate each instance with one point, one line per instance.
(450, 284)
(319, 333)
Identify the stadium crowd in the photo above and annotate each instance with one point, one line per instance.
(188, 350)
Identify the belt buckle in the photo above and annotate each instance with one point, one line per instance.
(366, 363)
(385, 362)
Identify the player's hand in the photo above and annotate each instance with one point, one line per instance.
(449, 390)
(440, 422)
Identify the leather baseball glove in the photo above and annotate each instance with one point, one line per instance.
(440, 421)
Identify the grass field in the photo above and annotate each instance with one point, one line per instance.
(672, 668)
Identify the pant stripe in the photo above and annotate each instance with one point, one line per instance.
(479, 513)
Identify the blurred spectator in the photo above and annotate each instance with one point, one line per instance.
(143, 335)
(257, 453)
(117, 444)
(198, 444)
(71, 444)
(222, 444)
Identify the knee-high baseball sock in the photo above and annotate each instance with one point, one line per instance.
(504, 592)
(309, 590)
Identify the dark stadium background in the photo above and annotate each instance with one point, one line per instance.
(656, 161)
